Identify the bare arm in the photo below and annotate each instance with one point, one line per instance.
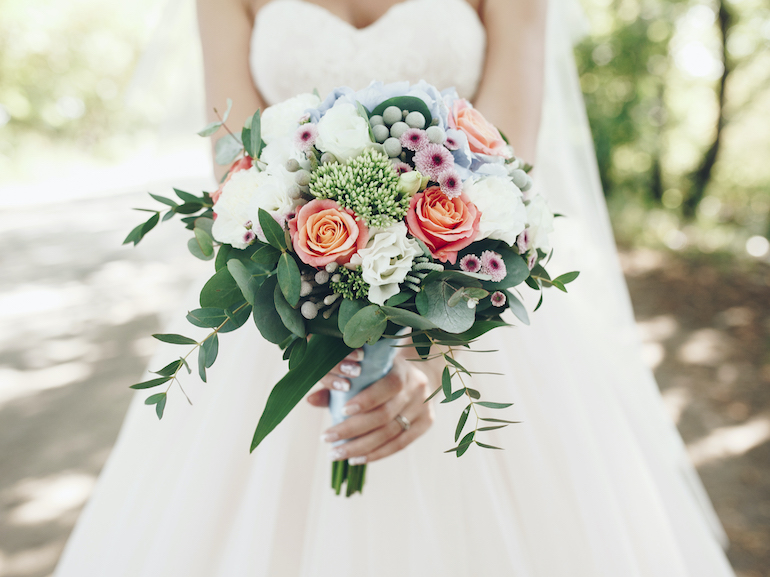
(225, 30)
(511, 91)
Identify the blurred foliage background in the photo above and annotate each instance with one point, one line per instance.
(678, 96)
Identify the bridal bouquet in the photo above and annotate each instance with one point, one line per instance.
(346, 222)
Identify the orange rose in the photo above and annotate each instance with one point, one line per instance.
(445, 225)
(323, 231)
(242, 164)
(483, 136)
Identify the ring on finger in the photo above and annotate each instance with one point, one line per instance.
(403, 421)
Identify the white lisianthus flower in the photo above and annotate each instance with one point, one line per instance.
(539, 223)
(277, 193)
(232, 208)
(282, 119)
(503, 215)
(343, 132)
(409, 183)
(279, 151)
(386, 261)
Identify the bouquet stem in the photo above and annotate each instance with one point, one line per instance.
(354, 475)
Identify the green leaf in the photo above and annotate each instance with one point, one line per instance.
(567, 277)
(532, 283)
(433, 394)
(267, 319)
(151, 383)
(170, 369)
(227, 149)
(211, 347)
(433, 302)
(205, 223)
(160, 406)
(422, 344)
(491, 428)
(221, 291)
(273, 231)
(189, 208)
(227, 111)
(207, 317)
(539, 302)
(202, 364)
(205, 242)
(237, 316)
(491, 420)
(347, 309)
(298, 350)
(461, 422)
(398, 299)
(559, 285)
(407, 318)
(456, 395)
(480, 444)
(456, 364)
(252, 135)
(175, 339)
(364, 113)
(446, 383)
(410, 103)
(244, 279)
(289, 278)
(472, 393)
(210, 129)
(322, 354)
(366, 326)
(490, 405)
(223, 254)
(517, 307)
(479, 328)
(152, 399)
(266, 256)
(186, 197)
(291, 317)
(465, 443)
(195, 249)
(169, 215)
(163, 199)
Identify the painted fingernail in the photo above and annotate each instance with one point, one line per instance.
(337, 454)
(359, 354)
(357, 460)
(350, 369)
(330, 437)
(348, 410)
(341, 385)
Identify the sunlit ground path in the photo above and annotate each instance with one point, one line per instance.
(77, 309)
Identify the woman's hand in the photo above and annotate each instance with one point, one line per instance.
(372, 422)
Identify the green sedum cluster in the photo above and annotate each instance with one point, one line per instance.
(367, 185)
(351, 284)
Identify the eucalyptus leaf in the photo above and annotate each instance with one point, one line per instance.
(205, 242)
(366, 326)
(175, 339)
(202, 364)
(289, 278)
(205, 223)
(221, 291)
(493, 428)
(432, 303)
(567, 278)
(398, 299)
(267, 319)
(160, 406)
(461, 422)
(347, 309)
(243, 278)
(237, 315)
(465, 443)
(456, 395)
(186, 197)
(517, 307)
(227, 149)
(152, 399)
(252, 135)
(207, 317)
(480, 444)
(210, 129)
(164, 200)
(195, 250)
(151, 383)
(266, 256)
(292, 319)
(422, 344)
(170, 369)
(223, 254)
(273, 231)
(490, 405)
(446, 383)
(211, 349)
(298, 351)
(407, 318)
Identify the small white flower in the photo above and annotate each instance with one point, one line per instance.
(232, 208)
(343, 132)
(409, 183)
(503, 215)
(386, 261)
(283, 118)
(539, 223)
(275, 193)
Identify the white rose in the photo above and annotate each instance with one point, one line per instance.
(277, 193)
(539, 223)
(232, 207)
(503, 215)
(343, 132)
(282, 119)
(386, 261)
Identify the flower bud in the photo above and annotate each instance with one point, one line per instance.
(409, 183)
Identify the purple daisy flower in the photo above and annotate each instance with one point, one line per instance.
(498, 298)
(493, 265)
(432, 160)
(451, 184)
(470, 263)
(532, 259)
(249, 236)
(305, 137)
(414, 139)
(451, 143)
(401, 167)
(523, 241)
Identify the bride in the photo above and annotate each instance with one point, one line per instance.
(594, 481)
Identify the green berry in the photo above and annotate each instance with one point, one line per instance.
(392, 147)
(292, 165)
(302, 177)
(328, 158)
(391, 115)
(436, 134)
(376, 120)
(398, 129)
(381, 132)
(415, 119)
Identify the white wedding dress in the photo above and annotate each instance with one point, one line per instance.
(594, 482)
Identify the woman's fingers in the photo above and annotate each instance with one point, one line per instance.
(365, 422)
(338, 378)
(416, 429)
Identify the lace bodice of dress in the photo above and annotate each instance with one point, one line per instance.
(298, 46)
